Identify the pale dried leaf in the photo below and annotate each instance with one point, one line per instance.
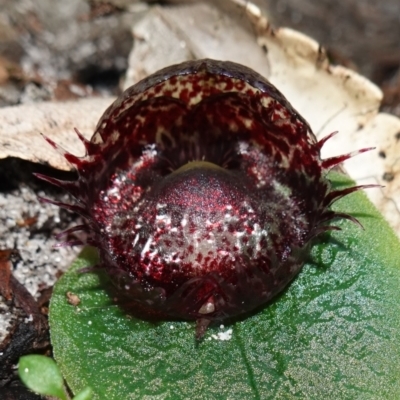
(172, 34)
(21, 126)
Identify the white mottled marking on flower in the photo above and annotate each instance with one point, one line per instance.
(135, 240)
(266, 101)
(114, 136)
(146, 247)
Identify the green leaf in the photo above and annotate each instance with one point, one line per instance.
(41, 375)
(85, 394)
(335, 333)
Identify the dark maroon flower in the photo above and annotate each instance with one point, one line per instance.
(203, 188)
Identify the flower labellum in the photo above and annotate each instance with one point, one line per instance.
(202, 189)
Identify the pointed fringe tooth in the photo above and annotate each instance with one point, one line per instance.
(68, 244)
(89, 146)
(51, 142)
(330, 215)
(73, 160)
(92, 268)
(81, 137)
(338, 194)
(333, 161)
(322, 229)
(70, 207)
(70, 186)
(321, 142)
(201, 327)
(78, 228)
